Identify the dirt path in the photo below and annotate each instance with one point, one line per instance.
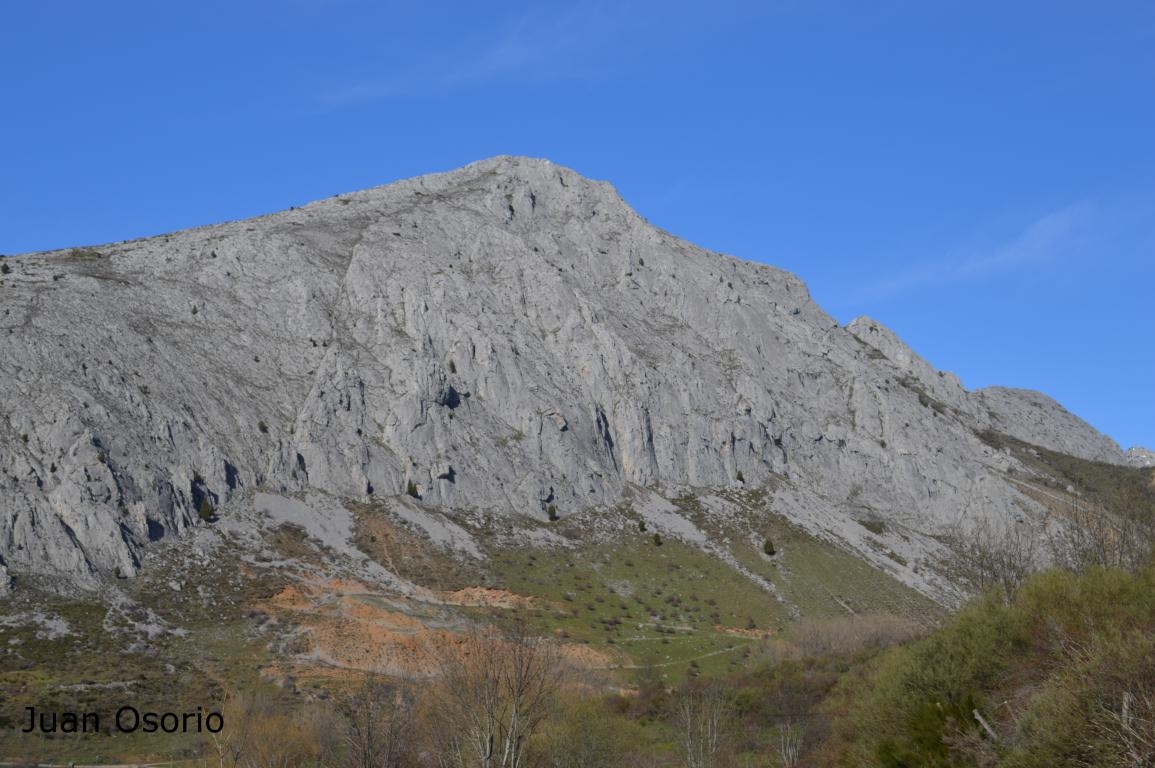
(1043, 491)
(671, 663)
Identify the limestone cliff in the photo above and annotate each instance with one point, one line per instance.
(504, 338)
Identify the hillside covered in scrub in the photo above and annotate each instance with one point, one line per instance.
(1062, 674)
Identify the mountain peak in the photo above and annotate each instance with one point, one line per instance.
(498, 340)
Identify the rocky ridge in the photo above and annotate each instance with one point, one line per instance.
(506, 339)
(1140, 457)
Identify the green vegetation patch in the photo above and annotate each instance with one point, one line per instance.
(1056, 677)
(925, 399)
(84, 254)
(180, 638)
(821, 579)
(665, 606)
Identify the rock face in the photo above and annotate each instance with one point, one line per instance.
(502, 338)
(1140, 457)
(1036, 418)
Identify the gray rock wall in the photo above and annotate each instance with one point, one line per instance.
(503, 337)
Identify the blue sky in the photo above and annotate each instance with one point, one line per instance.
(980, 176)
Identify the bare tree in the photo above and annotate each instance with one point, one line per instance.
(586, 736)
(377, 719)
(494, 688)
(228, 745)
(1091, 535)
(790, 737)
(1129, 724)
(277, 737)
(985, 556)
(702, 715)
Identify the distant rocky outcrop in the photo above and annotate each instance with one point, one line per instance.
(1035, 418)
(1140, 457)
(508, 338)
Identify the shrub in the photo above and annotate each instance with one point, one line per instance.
(1069, 658)
(411, 489)
(740, 477)
(551, 510)
(641, 526)
(84, 253)
(206, 512)
(5, 269)
(657, 539)
(768, 548)
(263, 427)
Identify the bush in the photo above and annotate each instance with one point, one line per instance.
(740, 477)
(1053, 671)
(641, 526)
(551, 510)
(84, 254)
(263, 427)
(411, 489)
(5, 269)
(768, 548)
(657, 539)
(206, 512)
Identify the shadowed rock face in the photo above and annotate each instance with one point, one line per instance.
(503, 337)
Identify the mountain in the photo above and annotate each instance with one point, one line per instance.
(507, 341)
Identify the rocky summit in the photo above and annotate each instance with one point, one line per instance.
(509, 339)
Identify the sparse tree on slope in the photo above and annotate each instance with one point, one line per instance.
(377, 724)
(494, 688)
(702, 716)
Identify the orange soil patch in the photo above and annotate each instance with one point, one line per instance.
(587, 657)
(485, 597)
(343, 625)
(756, 634)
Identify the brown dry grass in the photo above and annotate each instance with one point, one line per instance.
(847, 635)
(407, 554)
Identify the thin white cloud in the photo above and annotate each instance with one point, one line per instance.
(536, 45)
(365, 92)
(1050, 238)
